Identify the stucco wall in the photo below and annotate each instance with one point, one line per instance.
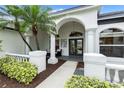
(12, 42)
(69, 27)
(87, 17)
(43, 39)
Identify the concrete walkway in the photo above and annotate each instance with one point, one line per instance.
(60, 76)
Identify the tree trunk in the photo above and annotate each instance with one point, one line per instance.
(35, 32)
(25, 41)
(37, 43)
(17, 28)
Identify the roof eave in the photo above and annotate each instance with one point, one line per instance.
(110, 18)
(75, 10)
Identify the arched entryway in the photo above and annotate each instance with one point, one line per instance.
(71, 38)
(112, 42)
(79, 21)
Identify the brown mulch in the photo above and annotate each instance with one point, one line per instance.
(6, 82)
(80, 65)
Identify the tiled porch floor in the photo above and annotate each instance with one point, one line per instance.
(72, 58)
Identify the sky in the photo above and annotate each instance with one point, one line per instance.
(104, 8)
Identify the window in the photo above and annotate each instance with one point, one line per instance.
(76, 34)
(112, 43)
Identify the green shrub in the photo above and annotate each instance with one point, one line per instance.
(78, 81)
(23, 72)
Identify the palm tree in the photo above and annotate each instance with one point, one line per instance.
(14, 13)
(38, 19)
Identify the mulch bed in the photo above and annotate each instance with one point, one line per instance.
(80, 65)
(6, 82)
(79, 69)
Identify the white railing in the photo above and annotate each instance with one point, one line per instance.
(115, 60)
(19, 57)
(37, 58)
(114, 65)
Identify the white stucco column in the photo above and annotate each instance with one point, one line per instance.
(52, 59)
(90, 40)
(27, 38)
(97, 49)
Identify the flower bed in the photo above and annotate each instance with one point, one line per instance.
(24, 72)
(78, 81)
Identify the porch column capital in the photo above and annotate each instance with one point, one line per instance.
(52, 59)
(91, 29)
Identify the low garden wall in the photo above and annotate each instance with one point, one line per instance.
(94, 65)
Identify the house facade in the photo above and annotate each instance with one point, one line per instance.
(79, 30)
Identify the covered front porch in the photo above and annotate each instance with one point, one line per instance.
(72, 41)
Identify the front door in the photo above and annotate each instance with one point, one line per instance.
(76, 47)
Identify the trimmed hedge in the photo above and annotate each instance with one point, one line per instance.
(24, 72)
(78, 81)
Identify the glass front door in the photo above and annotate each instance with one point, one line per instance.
(76, 47)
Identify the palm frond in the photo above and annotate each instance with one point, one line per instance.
(4, 23)
(23, 26)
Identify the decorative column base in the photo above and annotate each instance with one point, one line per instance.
(52, 60)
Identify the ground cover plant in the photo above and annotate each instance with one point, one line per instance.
(78, 81)
(23, 72)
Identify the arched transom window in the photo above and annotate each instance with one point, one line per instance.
(112, 42)
(76, 34)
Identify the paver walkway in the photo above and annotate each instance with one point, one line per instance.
(60, 76)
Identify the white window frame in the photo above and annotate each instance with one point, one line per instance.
(113, 34)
